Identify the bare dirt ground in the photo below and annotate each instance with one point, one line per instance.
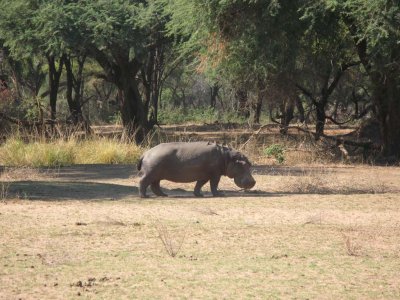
(324, 232)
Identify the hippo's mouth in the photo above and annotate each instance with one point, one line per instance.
(245, 183)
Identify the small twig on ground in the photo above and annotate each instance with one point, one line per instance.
(172, 245)
(351, 248)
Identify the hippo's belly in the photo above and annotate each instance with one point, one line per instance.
(188, 173)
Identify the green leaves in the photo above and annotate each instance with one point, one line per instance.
(276, 151)
(17, 28)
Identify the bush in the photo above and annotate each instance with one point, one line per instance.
(180, 115)
(198, 115)
(276, 151)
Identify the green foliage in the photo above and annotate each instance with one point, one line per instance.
(17, 27)
(376, 22)
(32, 108)
(276, 151)
(115, 119)
(239, 40)
(199, 115)
(181, 115)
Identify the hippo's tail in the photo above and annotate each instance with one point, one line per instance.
(139, 164)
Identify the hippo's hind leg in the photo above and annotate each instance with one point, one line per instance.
(197, 188)
(143, 184)
(155, 187)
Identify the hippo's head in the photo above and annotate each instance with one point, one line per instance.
(238, 167)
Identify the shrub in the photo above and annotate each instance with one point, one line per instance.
(196, 115)
(276, 151)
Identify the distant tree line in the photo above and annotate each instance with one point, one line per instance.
(310, 60)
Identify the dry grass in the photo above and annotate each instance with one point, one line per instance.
(352, 249)
(271, 243)
(326, 180)
(4, 187)
(252, 241)
(60, 152)
(106, 151)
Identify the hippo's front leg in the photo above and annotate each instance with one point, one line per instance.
(197, 188)
(214, 186)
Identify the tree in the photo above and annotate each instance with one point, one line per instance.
(244, 43)
(53, 21)
(374, 27)
(26, 32)
(125, 38)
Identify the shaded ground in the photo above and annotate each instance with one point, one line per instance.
(82, 231)
(114, 182)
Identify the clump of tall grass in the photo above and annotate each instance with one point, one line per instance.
(15, 152)
(55, 153)
(106, 151)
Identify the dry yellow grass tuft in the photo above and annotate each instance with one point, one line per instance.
(106, 151)
(59, 152)
(16, 152)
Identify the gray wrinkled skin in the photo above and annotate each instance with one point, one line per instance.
(188, 162)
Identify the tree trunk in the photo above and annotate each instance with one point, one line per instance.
(386, 97)
(257, 108)
(260, 98)
(151, 80)
(54, 82)
(300, 109)
(321, 117)
(74, 93)
(355, 101)
(134, 118)
(242, 105)
(213, 95)
(287, 113)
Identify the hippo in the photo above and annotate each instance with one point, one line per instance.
(193, 161)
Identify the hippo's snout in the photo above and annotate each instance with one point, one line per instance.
(245, 182)
(250, 185)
